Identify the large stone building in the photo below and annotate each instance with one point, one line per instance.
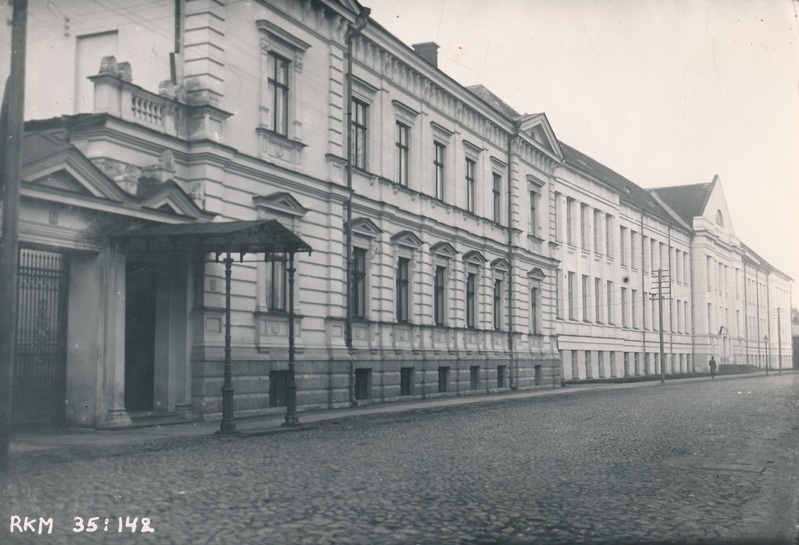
(485, 254)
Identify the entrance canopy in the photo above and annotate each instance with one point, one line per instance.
(268, 236)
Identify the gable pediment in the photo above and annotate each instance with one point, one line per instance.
(62, 181)
(365, 227)
(537, 128)
(74, 174)
(443, 249)
(281, 203)
(406, 238)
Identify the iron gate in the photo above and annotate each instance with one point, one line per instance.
(40, 369)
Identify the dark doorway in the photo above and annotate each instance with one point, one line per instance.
(39, 390)
(139, 336)
(278, 388)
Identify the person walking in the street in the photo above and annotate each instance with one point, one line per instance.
(712, 367)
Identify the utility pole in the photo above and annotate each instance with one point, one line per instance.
(660, 298)
(779, 338)
(11, 161)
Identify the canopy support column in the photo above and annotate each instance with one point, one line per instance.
(291, 406)
(228, 424)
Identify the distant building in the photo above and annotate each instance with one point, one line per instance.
(485, 254)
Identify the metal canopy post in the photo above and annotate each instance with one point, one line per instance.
(291, 406)
(228, 424)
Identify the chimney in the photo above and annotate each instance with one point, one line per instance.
(428, 51)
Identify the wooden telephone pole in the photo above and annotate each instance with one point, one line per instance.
(11, 163)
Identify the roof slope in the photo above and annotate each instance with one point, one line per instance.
(630, 192)
(688, 201)
(481, 92)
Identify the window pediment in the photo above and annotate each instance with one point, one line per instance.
(404, 113)
(474, 257)
(443, 249)
(280, 203)
(536, 274)
(366, 228)
(406, 238)
(274, 32)
(500, 264)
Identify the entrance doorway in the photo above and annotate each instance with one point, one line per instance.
(140, 285)
(41, 357)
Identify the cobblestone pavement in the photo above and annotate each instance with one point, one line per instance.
(702, 462)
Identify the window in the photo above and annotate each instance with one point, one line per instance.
(585, 297)
(652, 255)
(471, 290)
(406, 381)
(608, 233)
(403, 133)
(570, 295)
(584, 226)
(403, 273)
(474, 377)
(569, 221)
(609, 291)
(558, 300)
(470, 189)
(363, 383)
(623, 245)
(358, 129)
(502, 371)
(276, 282)
(439, 300)
(497, 193)
(575, 367)
(533, 218)
(534, 310)
(633, 249)
(438, 164)
(358, 283)
(556, 218)
(443, 379)
(588, 373)
(719, 218)
(633, 303)
(597, 224)
(623, 307)
(709, 319)
(278, 388)
(278, 82)
(598, 300)
(600, 363)
(497, 304)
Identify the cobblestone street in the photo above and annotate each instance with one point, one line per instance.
(699, 462)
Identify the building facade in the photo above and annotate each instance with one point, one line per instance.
(483, 254)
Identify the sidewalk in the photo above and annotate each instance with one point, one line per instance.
(67, 438)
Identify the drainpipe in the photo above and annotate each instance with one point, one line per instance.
(513, 379)
(353, 30)
(671, 308)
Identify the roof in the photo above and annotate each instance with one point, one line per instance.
(493, 100)
(635, 195)
(39, 145)
(268, 236)
(687, 201)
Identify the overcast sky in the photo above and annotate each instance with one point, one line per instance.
(663, 92)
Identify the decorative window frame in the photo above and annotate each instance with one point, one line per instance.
(472, 152)
(535, 279)
(473, 263)
(407, 116)
(406, 244)
(500, 168)
(274, 146)
(499, 271)
(365, 92)
(443, 136)
(365, 235)
(535, 186)
(442, 255)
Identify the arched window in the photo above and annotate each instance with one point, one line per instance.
(719, 218)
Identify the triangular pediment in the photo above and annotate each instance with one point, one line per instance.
(444, 249)
(406, 238)
(173, 200)
(62, 181)
(500, 264)
(282, 203)
(536, 274)
(537, 128)
(474, 257)
(715, 208)
(365, 227)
